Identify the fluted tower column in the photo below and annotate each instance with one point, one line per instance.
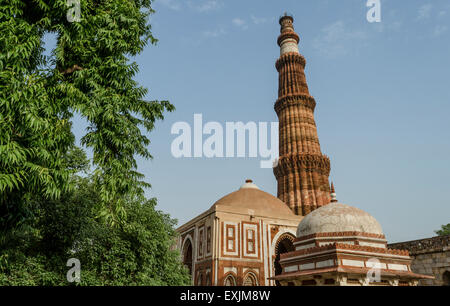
(302, 171)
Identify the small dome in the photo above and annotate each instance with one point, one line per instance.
(338, 218)
(249, 199)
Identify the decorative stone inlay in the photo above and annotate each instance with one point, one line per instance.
(352, 263)
(230, 269)
(325, 263)
(291, 269)
(343, 246)
(379, 265)
(340, 234)
(307, 266)
(398, 267)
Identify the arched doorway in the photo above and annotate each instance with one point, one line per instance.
(250, 280)
(446, 278)
(187, 255)
(229, 280)
(284, 244)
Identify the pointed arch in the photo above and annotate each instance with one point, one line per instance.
(250, 279)
(229, 279)
(284, 244)
(187, 252)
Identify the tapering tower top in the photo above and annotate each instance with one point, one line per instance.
(288, 39)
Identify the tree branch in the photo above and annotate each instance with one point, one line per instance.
(71, 69)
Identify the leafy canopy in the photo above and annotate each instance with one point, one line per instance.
(89, 73)
(137, 252)
(444, 231)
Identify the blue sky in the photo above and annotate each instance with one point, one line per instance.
(382, 92)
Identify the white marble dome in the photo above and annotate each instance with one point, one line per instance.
(338, 218)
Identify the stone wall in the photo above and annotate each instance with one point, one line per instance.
(430, 256)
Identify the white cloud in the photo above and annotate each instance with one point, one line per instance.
(395, 26)
(439, 30)
(442, 13)
(214, 33)
(205, 6)
(241, 23)
(337, 40)
(424, 11)
(258, 20)
(238, 22)
(171, 4)
(197, 5)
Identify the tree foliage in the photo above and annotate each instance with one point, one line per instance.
(90, 73)
(444, 231)
(48, 212)
(137, 252)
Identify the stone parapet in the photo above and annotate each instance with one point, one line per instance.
(423, 246)
(430, 256)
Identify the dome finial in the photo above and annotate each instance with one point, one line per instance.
(333, 194)
(249, 184)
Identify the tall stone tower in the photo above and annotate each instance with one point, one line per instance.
(302, 171)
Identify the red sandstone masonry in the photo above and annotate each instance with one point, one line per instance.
(303, 171)
(344, 246)
(339, 234)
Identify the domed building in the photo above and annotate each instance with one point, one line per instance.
(342, 245)
(238, 241)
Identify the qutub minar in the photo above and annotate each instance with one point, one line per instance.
(303, 237)
(302, 171)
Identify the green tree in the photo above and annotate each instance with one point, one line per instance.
(444, 231)
(136, 252)
(48, 213)
(90, 73)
